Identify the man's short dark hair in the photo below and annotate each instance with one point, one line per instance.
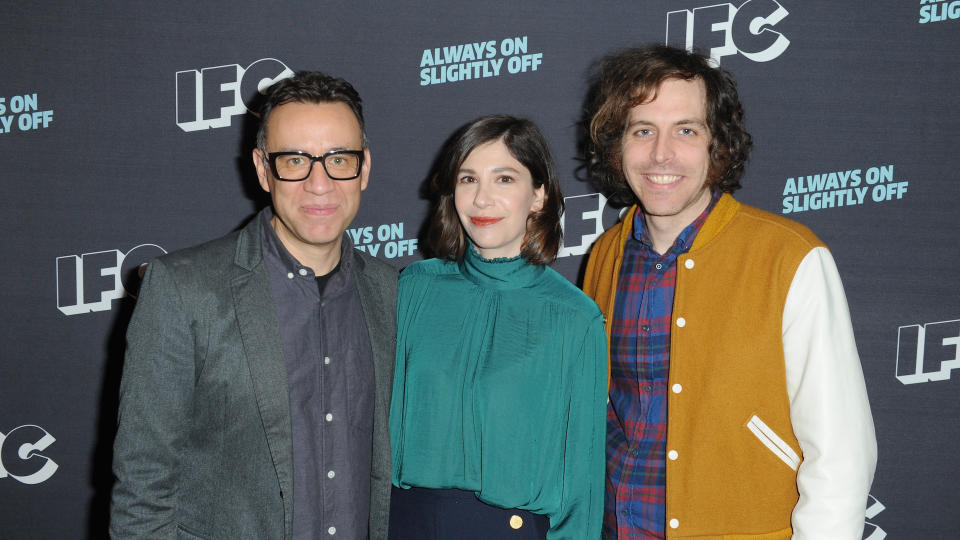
(633, 76)
(445, 235)
(309, 87)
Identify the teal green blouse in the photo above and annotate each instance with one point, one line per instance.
(500, 389)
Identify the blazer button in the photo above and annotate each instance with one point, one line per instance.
(516, 522)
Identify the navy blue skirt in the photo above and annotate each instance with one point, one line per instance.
(444, 514)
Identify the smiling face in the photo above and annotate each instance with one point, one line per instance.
(311, 215)
(494, 194)
(666, 155)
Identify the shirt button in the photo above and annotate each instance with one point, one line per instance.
(329, 417)
(303, 271)
(673, 455)
(688, 263)
(674, 523)
(681, 322)
(331, 474)
(332, 530)
(677, 388)
(648, 388)
(659, 266)
(326, 359)
(289, 275)
(645, 328)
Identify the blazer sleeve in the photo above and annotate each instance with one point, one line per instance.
(156, 396)
(829, 409)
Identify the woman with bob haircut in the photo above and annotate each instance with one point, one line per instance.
(498, 418)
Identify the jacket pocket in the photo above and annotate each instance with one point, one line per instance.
(773, 442)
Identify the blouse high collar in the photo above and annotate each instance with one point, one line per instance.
(501, 273)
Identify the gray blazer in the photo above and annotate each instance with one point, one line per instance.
(203, 447)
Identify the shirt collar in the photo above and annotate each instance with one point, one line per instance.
(687, 235)
(276, 252)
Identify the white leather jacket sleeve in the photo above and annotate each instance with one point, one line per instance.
(828, 404)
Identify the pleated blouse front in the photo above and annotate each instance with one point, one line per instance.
(500, 389)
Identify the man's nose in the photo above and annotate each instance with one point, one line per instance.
(663, 149)
(318, 181)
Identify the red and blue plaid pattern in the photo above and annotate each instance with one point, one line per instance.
(639, 367)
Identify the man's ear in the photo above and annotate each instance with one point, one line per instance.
(365, 169)
(259, 162)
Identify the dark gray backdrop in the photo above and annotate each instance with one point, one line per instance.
(114, 149)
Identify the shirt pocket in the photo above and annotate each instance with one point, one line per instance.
(774, 443)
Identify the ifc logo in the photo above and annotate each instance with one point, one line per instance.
(209, 98)
(92, 281)
(928, 352)
(725, 29)
(20, 458)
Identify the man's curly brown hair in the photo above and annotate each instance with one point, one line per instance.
(633, 76)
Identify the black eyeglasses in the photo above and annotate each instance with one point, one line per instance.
(296, 166)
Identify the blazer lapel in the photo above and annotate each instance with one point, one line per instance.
(259, 331)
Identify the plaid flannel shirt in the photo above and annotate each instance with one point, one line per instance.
(634, 505)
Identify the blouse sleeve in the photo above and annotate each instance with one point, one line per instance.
(397, 399)
(581, 508)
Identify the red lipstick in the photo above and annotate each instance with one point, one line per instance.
(484, 221)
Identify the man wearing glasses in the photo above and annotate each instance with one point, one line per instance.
(256, 387)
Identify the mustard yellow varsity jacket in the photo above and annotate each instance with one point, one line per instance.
(769, 428)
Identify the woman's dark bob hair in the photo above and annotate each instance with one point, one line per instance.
(445, 235)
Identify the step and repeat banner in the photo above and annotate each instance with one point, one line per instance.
(125, 134)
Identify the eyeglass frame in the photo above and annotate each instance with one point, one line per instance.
(271, 159)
